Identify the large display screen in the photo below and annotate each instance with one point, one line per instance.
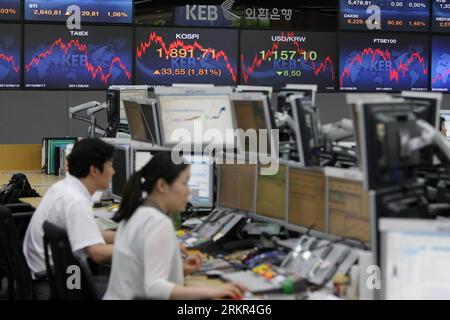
(275, 58)
(94, 58)
(166, 56)
(440, 64)
(405, 15)
(10, 56)
(441, 15)
(10, 9)
(383, 62)
(102, 11)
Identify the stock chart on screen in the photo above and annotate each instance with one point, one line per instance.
(10, 56)
(93, 58)
(165, 56)
(383, 62)
(275, 58)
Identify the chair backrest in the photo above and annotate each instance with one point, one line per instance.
(70, 277)
(16, 264)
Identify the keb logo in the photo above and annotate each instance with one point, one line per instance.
(74, 19)
(374, 20)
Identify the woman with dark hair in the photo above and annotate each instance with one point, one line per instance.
(442, 126)
(147, 260)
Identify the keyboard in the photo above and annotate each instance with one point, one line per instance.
(106, 224)
(254, 282)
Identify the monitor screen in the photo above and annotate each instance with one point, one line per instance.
(275, 58)
(400, 15)
(149, 112)
(306, 199)
(136, 122)
(94, 58)
(271, 195)
(383, 62)
(446, 115)
(441, 15)
(252, 113)
(100, 11)
(440, 63)
(415, 257)
(121, 165)
(166, 56)
(141, 158)
(10, 53)
(10, 10)
(187, 118)
(349, 209)
(237, 186)
(201, 180)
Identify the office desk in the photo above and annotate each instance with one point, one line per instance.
(39, 181)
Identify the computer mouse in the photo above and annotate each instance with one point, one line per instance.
(214, 273)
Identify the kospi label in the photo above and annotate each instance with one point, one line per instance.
(187, 36)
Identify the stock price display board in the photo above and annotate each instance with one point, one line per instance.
(166, 56)
(277, 58)
(92, 58)
(440, 64)
(395, 15)
(10, 56)
(100, 11)
(10, 9)
(383, 62)
(441, 15)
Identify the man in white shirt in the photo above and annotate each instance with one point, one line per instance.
(68, 205)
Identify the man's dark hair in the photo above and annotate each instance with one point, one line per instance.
(87, 153)
(441, 122)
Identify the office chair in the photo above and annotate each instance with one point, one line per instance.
(66, 265)
(20, 283)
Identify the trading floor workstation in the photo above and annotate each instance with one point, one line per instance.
(280, 203)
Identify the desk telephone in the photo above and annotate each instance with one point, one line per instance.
(316, 260)
(219, 226)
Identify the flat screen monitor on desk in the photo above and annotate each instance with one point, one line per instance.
(306, 199)
(201, 181)
(121, 165)
(189, 116)
(143, 120)
(349, 210)
(415, 259)
(252, 112)
(237, 187)
(271, 194)
(446, 115)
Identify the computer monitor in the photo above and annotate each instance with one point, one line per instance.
(201, 180)
(141, 158)
(237, 186)
(415, 259)
(115, 97)
(446, 115)
(306, 199)
(309, 90)
(143, 120)
(271, 195)
(349, 209)
(386, 127)
(121, 165)
(251, 111)
(265, 90)
(192, 85)
(431, 107)
(195, 116)
(136, 123)
(307, 130)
